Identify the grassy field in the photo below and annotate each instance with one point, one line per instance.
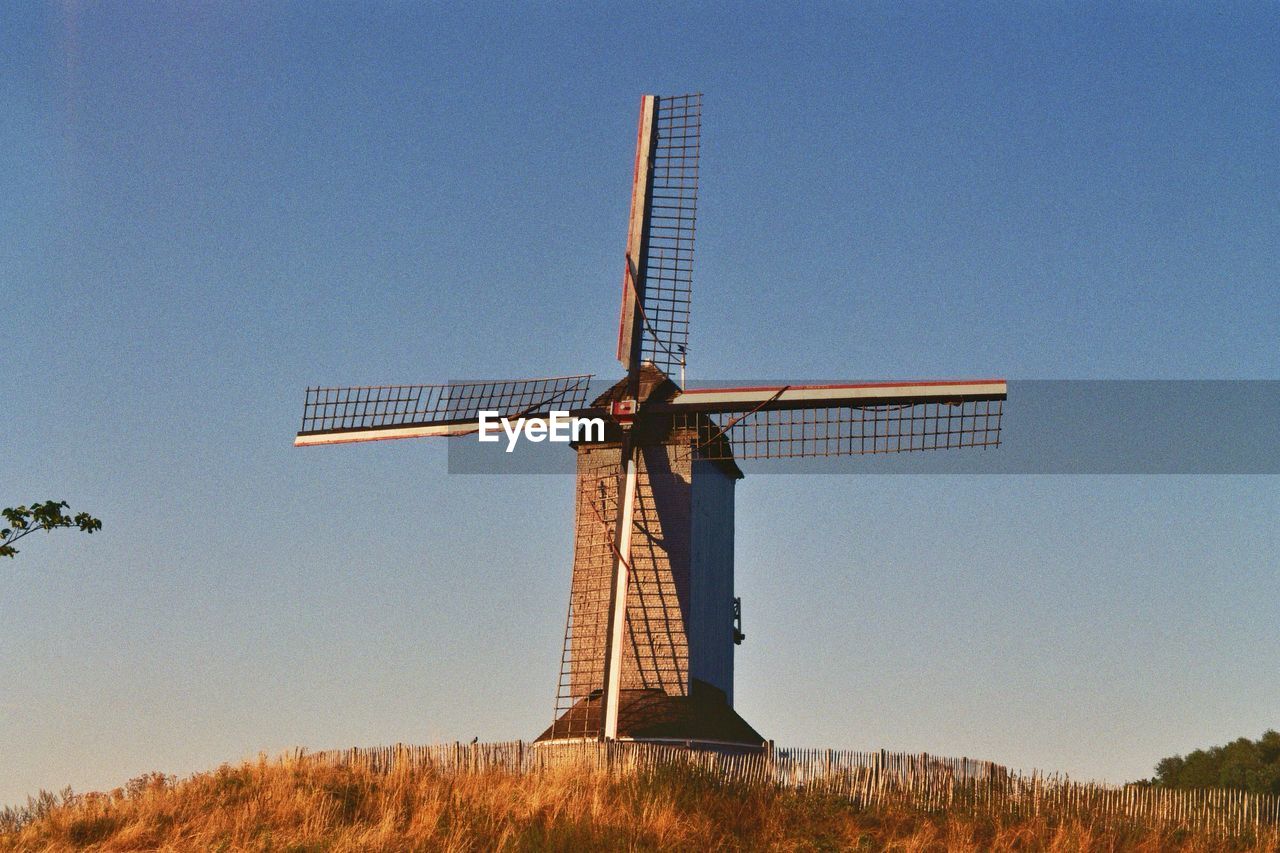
(303, 806)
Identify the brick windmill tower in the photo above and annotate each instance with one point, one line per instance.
(653, 621)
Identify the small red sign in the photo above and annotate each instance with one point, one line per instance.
(623, 411)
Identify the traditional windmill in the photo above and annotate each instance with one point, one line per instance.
(653, 621)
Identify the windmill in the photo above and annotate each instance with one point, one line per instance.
(653, 621)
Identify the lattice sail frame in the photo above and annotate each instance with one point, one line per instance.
(790, 421)
(370, 412)
(659, 263)
(668, 283)
(844, 430)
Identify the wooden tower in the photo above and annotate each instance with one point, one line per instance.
(682, 619)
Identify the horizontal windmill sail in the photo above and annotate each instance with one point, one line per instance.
(789, 421)
(382, 412)
(862, 393)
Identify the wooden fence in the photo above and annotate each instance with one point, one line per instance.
(867, 779)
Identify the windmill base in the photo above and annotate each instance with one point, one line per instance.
(703, 719)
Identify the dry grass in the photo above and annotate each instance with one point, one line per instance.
(302, 806)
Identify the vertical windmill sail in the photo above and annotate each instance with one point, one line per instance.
(657, 277)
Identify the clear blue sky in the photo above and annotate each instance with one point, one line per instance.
(206, 209)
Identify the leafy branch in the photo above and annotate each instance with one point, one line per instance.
(48, 515)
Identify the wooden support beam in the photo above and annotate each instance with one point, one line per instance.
(631, 323)
(617, 624)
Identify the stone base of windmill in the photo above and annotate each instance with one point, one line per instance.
(703, 719)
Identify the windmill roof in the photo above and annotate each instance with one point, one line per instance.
(656, 386)
(654, 383)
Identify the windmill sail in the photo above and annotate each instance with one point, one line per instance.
(788, 421)
(380, 412)
(658, 275)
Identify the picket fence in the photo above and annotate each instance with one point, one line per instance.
(867, 779)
